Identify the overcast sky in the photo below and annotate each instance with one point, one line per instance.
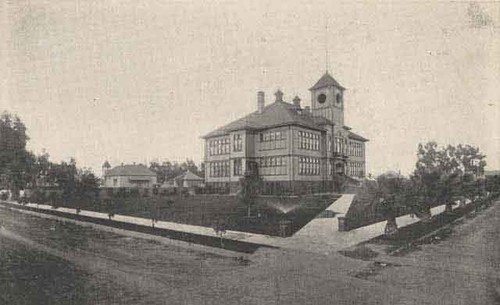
(143, 80)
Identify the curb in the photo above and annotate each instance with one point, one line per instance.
(446, 226)
(234, 246)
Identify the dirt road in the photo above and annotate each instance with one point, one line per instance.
(45, 261)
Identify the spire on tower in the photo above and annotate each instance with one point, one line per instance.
(326, 45)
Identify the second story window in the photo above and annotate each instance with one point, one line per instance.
(275, 139)
(237, 142)
(308, 140)
(219, 146)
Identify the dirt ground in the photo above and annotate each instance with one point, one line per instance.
(48, 262)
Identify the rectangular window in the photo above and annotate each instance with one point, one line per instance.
(309, 140)
(275, 165)
(237, 142)
(219, 146)
(271, 140)
(309, 166)
(219, 169)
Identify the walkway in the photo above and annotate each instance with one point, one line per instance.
(321, 235)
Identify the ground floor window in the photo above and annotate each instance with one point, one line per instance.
(356, 169)
(309, 166)
(219, 169)
(274, 165)
(237, 167)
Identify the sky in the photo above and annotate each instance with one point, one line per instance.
(140, 81)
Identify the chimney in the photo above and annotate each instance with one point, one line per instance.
(261, 101)
(279, 96)
(296, 101)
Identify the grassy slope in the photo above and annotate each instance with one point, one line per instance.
(209, 210)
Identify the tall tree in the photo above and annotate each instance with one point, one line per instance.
(440, 171)
(15, 162)
(251, 185)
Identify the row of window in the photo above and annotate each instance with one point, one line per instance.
(219, 146)
(272, 135)
(276, 165)
(309, 166)
(277, 140)
(340, 145)
(219, 169)
(272, 161)
(273, 140)
(355, 149)
(355, 169)
(308, 140)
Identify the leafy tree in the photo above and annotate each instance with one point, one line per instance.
(87, 185)
(440, 172)
(168, 170)
(392, 193)
(251, 185)
(15, 162)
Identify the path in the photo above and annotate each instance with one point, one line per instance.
(320, 235)
(462, 269)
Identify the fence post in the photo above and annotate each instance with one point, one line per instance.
(343, 226)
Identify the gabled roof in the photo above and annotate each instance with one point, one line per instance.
(188, 175)
(130, 170)
(274, 115)
(325, 81)
(354, 136)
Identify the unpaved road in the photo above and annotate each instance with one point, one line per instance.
(464, 268)
(44, 261)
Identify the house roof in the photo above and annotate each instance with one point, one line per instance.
(130, 170)
(325, 81)
(276, 114)
(354, 136)
(188, 175)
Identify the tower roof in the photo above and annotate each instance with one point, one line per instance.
(106, 164)
(325, 81)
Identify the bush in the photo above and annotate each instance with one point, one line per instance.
(4, 196)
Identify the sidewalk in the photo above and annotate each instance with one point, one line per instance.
(320, 235)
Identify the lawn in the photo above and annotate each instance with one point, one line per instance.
(224, 210)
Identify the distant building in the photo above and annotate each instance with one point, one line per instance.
(186, 180)
(294, 149)
(128, 176)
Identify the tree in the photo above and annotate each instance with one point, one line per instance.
(15, 162)
(168, 170)
(392, 193)
(65, 175)
(251, 185)
(87, 187)
(440, 172)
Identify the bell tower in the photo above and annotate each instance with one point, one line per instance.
(327, 99)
